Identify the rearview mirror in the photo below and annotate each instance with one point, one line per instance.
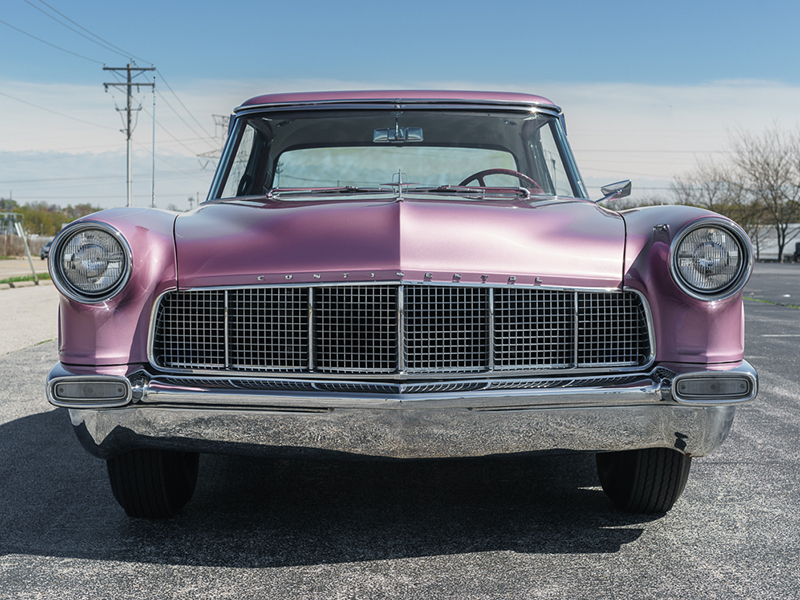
(398, 134)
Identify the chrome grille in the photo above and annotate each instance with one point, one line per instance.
(384, 330)
(190, 330)
(268, 329)
(355, 329)
(534, 329)
(609, 329)
(446, 329)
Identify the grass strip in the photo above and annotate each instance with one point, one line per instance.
(771, 302)
(21, 278)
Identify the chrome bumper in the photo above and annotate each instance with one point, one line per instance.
(284, 417)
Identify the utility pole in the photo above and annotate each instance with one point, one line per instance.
(128, 131)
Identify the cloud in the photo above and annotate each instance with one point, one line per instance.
(58, 141)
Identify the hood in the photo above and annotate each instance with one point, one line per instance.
(553, 243)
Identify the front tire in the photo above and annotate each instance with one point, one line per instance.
(644, 481)
(153, 484)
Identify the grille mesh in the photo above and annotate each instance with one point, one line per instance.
(353, 329)
(268, 329)
(534, 329)
(611, 328)
(447, 329)
(190, 330)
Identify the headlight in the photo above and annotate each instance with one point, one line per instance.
(711, 260)
(90, 262)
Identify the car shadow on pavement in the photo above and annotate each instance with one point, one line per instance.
(249, 512)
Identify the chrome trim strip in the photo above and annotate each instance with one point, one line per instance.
(227, 151)
(399, 104)
(491, 330)
(570, 158)
(242, 112)
(406, 390)
(311, 314)
(407, 282)
(576, 332)
(227, 339)
(645, 391)
(401, 329)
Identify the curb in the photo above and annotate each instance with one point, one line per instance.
(21, 284)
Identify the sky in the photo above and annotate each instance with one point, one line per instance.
(648, 88)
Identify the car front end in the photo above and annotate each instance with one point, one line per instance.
(471, 301)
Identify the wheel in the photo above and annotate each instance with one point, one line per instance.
(527, 181)
(153, 484)
(644, 481)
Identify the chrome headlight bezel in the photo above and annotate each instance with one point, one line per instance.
(63, 282)
(741, 273)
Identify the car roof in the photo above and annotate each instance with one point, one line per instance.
(398, 97)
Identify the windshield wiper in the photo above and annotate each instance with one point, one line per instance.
(276, 193)
(475, 192)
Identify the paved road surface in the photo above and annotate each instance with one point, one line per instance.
(489, 528)
(16, 267)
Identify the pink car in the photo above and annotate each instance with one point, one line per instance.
(403, 274)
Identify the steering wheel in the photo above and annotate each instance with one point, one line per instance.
(479, 176)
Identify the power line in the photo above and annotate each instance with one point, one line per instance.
(114, 48)
(170, 133)
(105, 45)
(607, 151)
(117, 50)
(169, 87)
(120, 50)
(199, 136)
(192, 174)
(49, 44)
(54, 112)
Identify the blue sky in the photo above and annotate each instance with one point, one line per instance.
(648, 88)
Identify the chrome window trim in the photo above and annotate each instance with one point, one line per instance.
(59, 279)
(399, 104)
(569, 158)
(745, 268)
(401, 374)
(241, 113)
(227, 150)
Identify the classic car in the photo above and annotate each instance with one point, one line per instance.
(45, 251)
(401, 275)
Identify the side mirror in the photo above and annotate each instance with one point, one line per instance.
(613, 191)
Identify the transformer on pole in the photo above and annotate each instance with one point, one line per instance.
(128, 131)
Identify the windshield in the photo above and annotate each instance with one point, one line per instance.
(419, 148)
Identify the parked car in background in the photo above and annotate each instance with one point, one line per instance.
(404, 275)
(45, 251)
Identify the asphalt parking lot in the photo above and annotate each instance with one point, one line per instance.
(485, 528)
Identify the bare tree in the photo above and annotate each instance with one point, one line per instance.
(722, 188)
(709, 185)
(769, 167)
